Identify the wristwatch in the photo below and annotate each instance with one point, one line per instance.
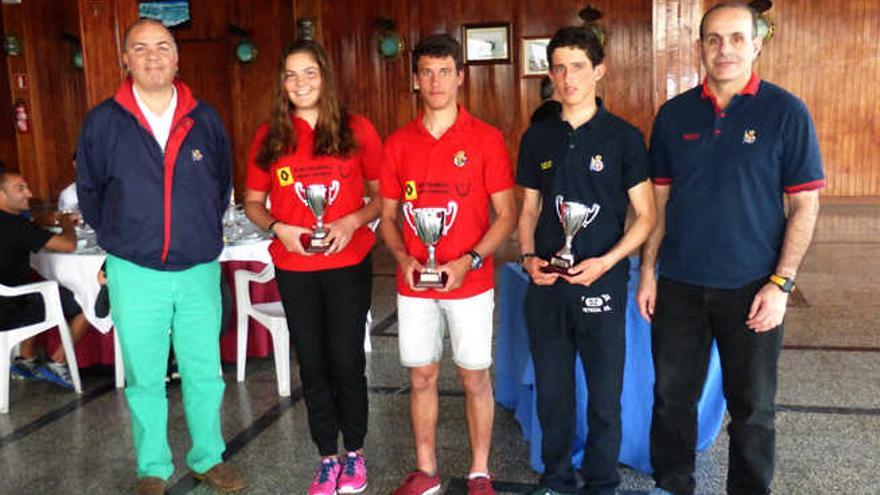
(785, 284)
(476, 260)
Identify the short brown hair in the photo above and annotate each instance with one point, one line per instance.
(580, 38)
(438, 46)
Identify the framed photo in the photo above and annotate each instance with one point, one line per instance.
(534, 57)
(486, 43)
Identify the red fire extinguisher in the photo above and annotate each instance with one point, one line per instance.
(22, 120)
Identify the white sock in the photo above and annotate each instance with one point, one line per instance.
(478, 475)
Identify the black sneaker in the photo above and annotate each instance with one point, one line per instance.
(102, 303)
(24, 369)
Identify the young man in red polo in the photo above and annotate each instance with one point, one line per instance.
(456, 166)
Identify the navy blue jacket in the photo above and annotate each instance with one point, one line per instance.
(158, 210)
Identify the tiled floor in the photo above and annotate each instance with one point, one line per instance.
(828, 425)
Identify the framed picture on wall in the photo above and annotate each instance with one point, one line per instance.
(534, 57)
(486, 43)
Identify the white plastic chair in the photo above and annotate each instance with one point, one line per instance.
(54, 318)
(271, 316)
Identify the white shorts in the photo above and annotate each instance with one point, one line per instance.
(420, 330)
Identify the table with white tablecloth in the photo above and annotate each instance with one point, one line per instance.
(78, 272)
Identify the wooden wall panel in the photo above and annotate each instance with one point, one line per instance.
(54, 94)
(675, 56)
(252, 85)
(495, 93)
(8, 146)
(102, 27)
(28, 148)
(826, 53)
(241, 93)
(651, 55)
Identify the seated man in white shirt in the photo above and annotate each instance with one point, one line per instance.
(67, 200)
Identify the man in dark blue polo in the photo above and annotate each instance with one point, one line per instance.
(586, 155)
(723, 154)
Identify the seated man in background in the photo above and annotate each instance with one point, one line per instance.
(22, 236)
(551, 105)
(67, 199)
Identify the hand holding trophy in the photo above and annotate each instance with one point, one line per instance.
(574, 216)
(318, 197)
(430, 224)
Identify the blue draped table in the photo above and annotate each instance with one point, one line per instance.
(515, 379)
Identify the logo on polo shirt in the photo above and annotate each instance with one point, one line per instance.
(285, 178)
(546, 165)
(460, 159)
(409, 190)
(596, 164)
(691, 136)
(750, 136)
(197, 155)
(600, 304)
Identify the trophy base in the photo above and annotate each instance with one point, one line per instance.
(430, 280)
(558, 265)
(313, 244)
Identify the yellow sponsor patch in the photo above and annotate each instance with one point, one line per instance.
(546, 164)
(409, 190)
(285, 177)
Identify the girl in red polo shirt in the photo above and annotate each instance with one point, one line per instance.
(311, 147)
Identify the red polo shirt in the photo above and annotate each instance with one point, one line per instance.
(287, 178)
(458, 172)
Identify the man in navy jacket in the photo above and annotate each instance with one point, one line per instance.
(153, 179)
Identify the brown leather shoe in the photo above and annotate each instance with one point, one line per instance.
(150, 485)
(223, 477)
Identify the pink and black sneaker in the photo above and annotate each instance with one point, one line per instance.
(353, 478)
(326, 477)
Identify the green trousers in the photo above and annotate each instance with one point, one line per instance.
(152, 309)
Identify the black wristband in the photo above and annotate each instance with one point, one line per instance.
(523, 257)
(271, 224)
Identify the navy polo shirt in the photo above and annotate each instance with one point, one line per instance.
(595, 164)
(727, 170)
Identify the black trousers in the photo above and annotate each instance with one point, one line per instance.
(20, 311)
(686, 320)
(326, 313)
(564, 321)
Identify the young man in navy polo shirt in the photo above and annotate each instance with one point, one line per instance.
(722, 156)
(589, 156)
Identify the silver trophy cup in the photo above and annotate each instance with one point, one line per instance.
(430, 224)
(318, 197)
(574, 216)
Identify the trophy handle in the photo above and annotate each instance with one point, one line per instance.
(559, 201)
(592, 213)
(333, 192)
(451, 212)
(300, 192)
(408, 216)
